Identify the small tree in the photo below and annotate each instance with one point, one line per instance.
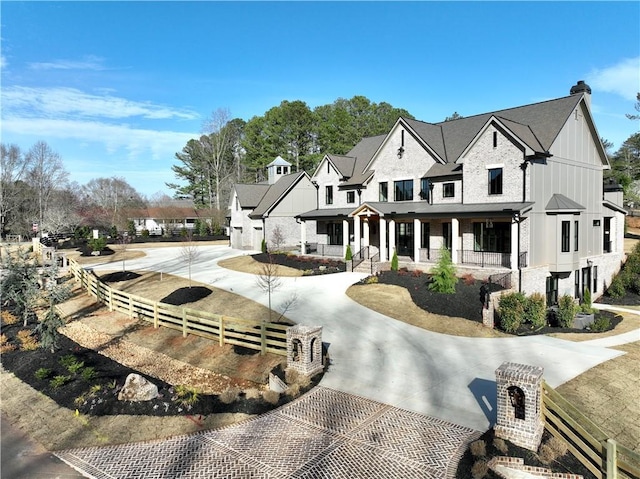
(131, 228)
(394, 261)
(586, 306)
(277, 239)
(535, 310)
(19, 284)
(511, 308)
(567, 310)
(268, 279)
(123, 242)
(443, 274)
(53, 294)
(263, 246)
(348, 255)
(189, 252)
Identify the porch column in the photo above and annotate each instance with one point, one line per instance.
(417, 238)
(392, 237)
(303, 236)
(345, 237)
(356, 234)
(455, 231)
(514, 245)
(365, 233)
(383, 240)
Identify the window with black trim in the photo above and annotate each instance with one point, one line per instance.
(424, 188)
(565, 240)
(495, 181)
(576, 239)
(403, 190)
(448, 190)
(493, 237)
(279, 170)
(351, 196)
(595, 279)
(329, 195)
(383, 194)
(576, 293)
(495, 139)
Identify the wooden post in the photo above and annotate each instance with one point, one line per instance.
(184, 323)
(221, 331)
(263, 338)
(612, 463)
(130, 307)
(110, 299)
(155, 315)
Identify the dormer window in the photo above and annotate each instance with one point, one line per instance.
(285, 170)
(279, 170)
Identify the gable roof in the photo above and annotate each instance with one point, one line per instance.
(275, 192)
(362, 154)
(249, 195)
(560, 203)
(279, 161)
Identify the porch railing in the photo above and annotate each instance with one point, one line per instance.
(485, 258)
(324, 249)
(360, 256)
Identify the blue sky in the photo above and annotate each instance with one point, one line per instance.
(117, 88)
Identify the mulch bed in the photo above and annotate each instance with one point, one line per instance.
(110, 376)
(308, 264)
(186, 295)
(563, 464)
(467, 301)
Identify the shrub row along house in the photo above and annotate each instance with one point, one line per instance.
(517, 192)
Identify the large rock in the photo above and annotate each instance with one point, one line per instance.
(137, 388)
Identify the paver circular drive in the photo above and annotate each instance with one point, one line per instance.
(324, 434)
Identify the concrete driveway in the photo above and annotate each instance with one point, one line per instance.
(379, 358)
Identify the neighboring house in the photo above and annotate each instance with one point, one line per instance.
(517, 192)
(169, 219)
(268, 210)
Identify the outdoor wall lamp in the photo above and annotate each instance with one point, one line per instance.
(400, 151)
(589, 263)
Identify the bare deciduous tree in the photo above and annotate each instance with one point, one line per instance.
(277, 239)
(189, 252)
(268, 280)
(217, 145)
(13, 171)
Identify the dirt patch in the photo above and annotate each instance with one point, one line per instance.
(246, 264)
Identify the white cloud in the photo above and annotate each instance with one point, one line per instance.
(138, 143)
(622, 78)
(90, 62)
(70, 102)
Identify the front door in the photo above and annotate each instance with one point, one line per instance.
(404, 239)
(552, 290)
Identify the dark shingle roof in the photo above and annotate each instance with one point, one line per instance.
(344, 164)
(274, 193)
(250, 195)
(363, 152)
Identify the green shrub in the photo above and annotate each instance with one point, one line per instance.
(131, 228)
(443, 274)
(535, 310)
(585, 307)
(511, 310)
(97, 244)
(184, 233)
(186, 395)
(617, 288)
(71, 363)
(145, 233)
(348, 255)
(113, 232)
(58, 381)
(263, 246)
(88, 373)
(42, 373)
(394, 261)
(567, 310)
(601, 323)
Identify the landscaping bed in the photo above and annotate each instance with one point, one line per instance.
(309, 265)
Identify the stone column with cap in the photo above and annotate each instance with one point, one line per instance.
(304, 349)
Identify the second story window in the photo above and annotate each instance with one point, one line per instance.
(403, 190)
(424, 189)
(384, 193)
(576, 238)
(351, 196)
(448, 190)
(329, 195)
(565, 240)
(495, 181)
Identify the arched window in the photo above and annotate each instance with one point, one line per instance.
(516, 396)
(296, 346)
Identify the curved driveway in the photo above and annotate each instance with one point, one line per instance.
(374, 356)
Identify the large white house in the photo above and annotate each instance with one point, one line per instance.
(516, 192)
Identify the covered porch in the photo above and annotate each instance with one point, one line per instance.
(480, 235)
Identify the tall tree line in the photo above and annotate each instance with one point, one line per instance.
(234, 151)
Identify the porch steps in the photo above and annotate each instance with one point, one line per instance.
(364, 267)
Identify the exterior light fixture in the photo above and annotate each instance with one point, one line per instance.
(400, 151)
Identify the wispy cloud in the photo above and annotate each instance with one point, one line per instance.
(89, 62)
(70, 102)
(622, 78)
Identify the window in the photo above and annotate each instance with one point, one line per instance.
(351, 196)
(496, 239)
(596, 222)
(495, 181)
(329, 195)
(448, 190)
(495, 139)
(425, 241)
(576, 293)
(279, 170)
(334, 233)
(403, 190)
(383, 195)
(566, 227)
(595, 279)
(576, 239)
(285, 170)
(424, 189)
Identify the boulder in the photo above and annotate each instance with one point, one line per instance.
(137, 388)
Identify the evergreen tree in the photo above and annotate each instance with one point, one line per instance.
(443, 274)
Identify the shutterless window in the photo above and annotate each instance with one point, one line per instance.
(351, 196)
(595, 279)
(566, 232)
(448, 190)
(279, 170)
(576, 239)
(424, 188)
(495, 181)
(383, 192)
(403, 190)
(495, 139)
(329, 195)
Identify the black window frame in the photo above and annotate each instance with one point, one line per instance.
(449, 186)
(403, 190)
(565, 239)
(383, 191)
(328, 194)
(576, 236)
(425, 188)
(351, 197)
(495, 181)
